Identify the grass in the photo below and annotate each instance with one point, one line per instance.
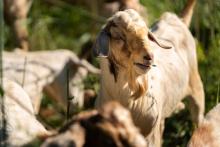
(217, 98)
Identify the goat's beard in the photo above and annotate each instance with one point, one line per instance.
(137, 83)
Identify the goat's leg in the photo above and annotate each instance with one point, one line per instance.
(180, 106)
(196, 99)
(154, 139)
(162, 127)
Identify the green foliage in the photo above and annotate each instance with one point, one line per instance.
(52, 121)
(92, 82)
(1, 92)
(157, 7)
(210, 71)
(178, 130)
(59, 25)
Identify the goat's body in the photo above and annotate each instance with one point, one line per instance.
(34, 70)
(180, 66)
(21, 123)
(174, 77)
(175, 65)
(46, 71)
(164, 89)
(119, 91)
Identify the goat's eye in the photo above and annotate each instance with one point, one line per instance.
(118, 41)
(118, 38)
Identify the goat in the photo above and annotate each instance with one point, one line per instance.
(103, 128)
(208, 133)
(149, 72)
(21, 123)
(46, 71)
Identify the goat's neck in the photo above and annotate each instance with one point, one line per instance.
(122, 87)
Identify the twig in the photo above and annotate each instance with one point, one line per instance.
(69, 99)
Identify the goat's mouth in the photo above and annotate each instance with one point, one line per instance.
(143, 66)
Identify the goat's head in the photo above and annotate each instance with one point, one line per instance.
(125, 40)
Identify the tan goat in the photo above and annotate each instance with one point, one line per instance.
(208, 133)
(149, 74)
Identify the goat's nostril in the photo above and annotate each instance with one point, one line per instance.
(148, 57)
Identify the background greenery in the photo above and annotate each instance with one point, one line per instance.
(57, 24)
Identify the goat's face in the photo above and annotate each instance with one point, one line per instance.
(129, 45)
(125, 41)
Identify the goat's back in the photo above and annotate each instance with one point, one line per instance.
(171, 29)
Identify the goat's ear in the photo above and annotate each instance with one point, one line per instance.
(101, 46)
(154, 39)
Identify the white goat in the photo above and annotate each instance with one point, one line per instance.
(46, 71)
(150, 75)
(21, 123)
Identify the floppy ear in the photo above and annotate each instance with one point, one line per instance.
(154, 39)
(101, 46)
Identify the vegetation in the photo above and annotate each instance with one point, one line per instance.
(61, 25)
